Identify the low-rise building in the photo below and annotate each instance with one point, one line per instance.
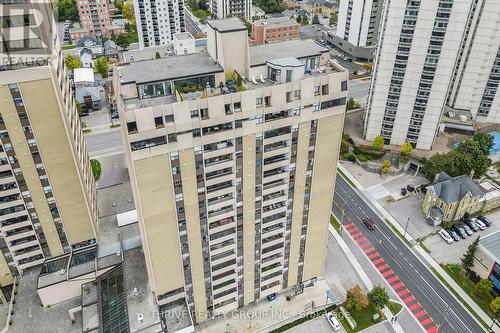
(275, 29)
(110, 49)
(320, 7)
(92, 44)
(184, 43)
(449, 198)
(487, 259)
(491, 197)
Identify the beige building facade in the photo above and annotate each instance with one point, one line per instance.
(47, 191)
(233, 185)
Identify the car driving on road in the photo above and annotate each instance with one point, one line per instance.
(369, 223)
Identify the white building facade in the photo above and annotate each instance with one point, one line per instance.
(158, 20)
(231, 8)
(422, 67)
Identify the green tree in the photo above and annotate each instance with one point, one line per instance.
(495, 305)
(386, 165)
(72, 62)
(193, 5)
(378, 296)
(471, 156)
(406, 148)
(356, 299)
(483, 288)
(352, 104)
(128, 11)
(122, 40)
(102, 66)
(333, 19)
(119, 5)
(378, 142)
(485, 142)
(299, 19)
(305, 20)
(468, 257)
(315, 19)
(66, 10)
(157, 55)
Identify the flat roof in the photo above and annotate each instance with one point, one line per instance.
(183, 35)
(276, 22)
(83, 75)
(169, 68)
(491, 243)
(259, 54)
(227, 25)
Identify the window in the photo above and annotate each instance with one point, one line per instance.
(238, 123)
(316, 90)
(172, 137)
(159, 122)
(196, 132)
(237, 106)
(227, 109)
(343, 85)
(132, 127)
(195, 113)
(324, 89)
(316, 106)
(258, 102)
(297, 94)
(332, 103)
(296, 112)
(204, 113)
(289, 97)
(267, 101)
(169, 118)
(289, 75)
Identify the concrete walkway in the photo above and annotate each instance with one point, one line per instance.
(421, 254)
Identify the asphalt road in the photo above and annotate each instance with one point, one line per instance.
(104, 141)
(421, 283)
(358, 89)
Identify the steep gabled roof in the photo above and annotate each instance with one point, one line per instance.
(454, 189)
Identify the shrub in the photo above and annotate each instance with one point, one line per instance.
(344, 147)
(362, 158)
(193, 88)
(185, 89)
(378, 142)
(346, 136)
(349, 156)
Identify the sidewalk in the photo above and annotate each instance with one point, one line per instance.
(421, 254)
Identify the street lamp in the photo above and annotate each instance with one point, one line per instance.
(406, 227)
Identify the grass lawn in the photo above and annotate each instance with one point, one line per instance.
(395, 307)
(335, 223)
(96, 169)
(68, 47)
(455, 271)
(363, 318)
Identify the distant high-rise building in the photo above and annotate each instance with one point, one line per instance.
(95, 18)
(158, 20)
(47, 190)
(231, 8)
(233, 184)
(437, 69)
(357, 27)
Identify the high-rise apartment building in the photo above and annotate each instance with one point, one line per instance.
(158, 20)
(357, 27)
(47, 191)
(233, 185)
(231, 8)
(437, 68)
(94, 17)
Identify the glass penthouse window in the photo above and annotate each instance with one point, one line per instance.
(156, 89)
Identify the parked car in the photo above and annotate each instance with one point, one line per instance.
(115, 115)
(410, 188)
(369, 223)
(472, 224)
(445, 236)
(271, 297)
(333, 321)
(480, 224)
(453, 234)
(467, 229)
(485, 220)
(403, 191)
(459, 230)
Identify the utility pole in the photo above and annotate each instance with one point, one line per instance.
(443, 322)
(407, 222)
(342, 220)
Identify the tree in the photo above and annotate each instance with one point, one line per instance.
(128, 11)
(495, 305)
(122, 40)
(378, 296)
(102, 66)
(202, 4)
(352, 104)
(333, 19)
(406, 148)
(66, 10)
(468, 258)
(485, 141)
(356, 299)
(472, 157)
(315, 19)
(386, 165)
(119, 5)
(299, 19)
(378, 142)
(305, 20)
(193, 5)
(157, 55)
(72, 62)
(483, 288)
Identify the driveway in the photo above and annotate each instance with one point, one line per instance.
(411, 207)
(318, 325)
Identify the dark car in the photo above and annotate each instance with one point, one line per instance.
(459, 230)
(471, 224)
(410, 188)
(453, 234)
(485, 220)
(403, 191)
(369, 223)
(115, 115)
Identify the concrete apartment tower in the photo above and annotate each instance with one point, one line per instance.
(437, 69)
(233, 190)
(231, 8)
(158, 20)
(358, 27)
(94, 17)
(47, 191)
